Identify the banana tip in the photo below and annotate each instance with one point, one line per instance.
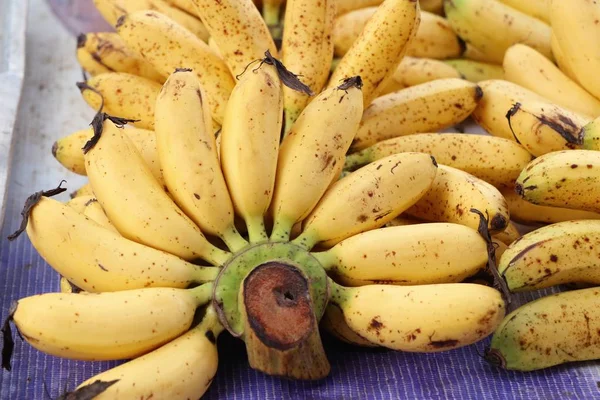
(81, 39)
(519, 189)
(499, 222)
(120, 21)
(495, 358)
(54, 149)
(478, 92)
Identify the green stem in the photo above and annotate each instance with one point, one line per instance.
(203, 293)
(217, 256)
(338, 294)
(326, 258)
(291, 115)
(210, 322)
(307, 239)
(233, 239)
(205, 274)
(281, 230)
(256, 229)
(270, 14)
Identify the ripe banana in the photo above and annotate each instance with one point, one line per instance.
(539, 9)
(406, 255)
(553, 330)
(184, 5)
(97, 260)
(106, 52)
(107, 326)
(181, 369)
(427, 107)
(318, 131)
(136, 203)
(94, 211)
(333, 322)
(473, 53)
(250, 145)
(238, 29)
(123, 95)
(83, 191)
(454, 193)
(476, 71)
(530, 69)
(415, 71)
(569, 178)
(80, 203)
(167, 46)
(495, 160)
(426, 318)
(480, 21)
(509, 234)
(368, 198)
(345, 6)
(561, 60)
(574, 23)
(306, 50)
(378, 50)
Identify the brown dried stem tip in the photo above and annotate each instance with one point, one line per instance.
(287, 77)
(8, 344)
(88, 392)
(98, 126)
(353, 81)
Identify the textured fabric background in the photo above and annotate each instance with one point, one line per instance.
(51, 108)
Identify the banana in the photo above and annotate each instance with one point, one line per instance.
(415, 71)
(561, 60)
(67, 287)
(427, 107)
(479, 22)
(112, 10)
(476, 71)
(318, 130)
(80, 203)
(368, 198)
(250, 145)
(181, 369)
(569, 178)
(432, 6)
(107, 326)
(306, 50)
(136, 203)
(426, 318)
(499, 247)
(406, 255)
(530, 69)
(454, 193)
(96, 260)
(348, 27)
(590, 135)
(333, 322)
(499, 96)
(539, 9)
(270, 12)
(85, 190)
(403, 220)
(238, 29)
(474, 54)
(553, 330)
(93, 210)
(184, 5)
(543, 127)
(576, 30)
(495, 160)
(509, 235)
(378, 50)
(345, 6)
(167, 46)
(106, 52)
(123, 95)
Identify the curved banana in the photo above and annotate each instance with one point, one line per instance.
(334, 323)
(476, 71)
(380, 47)
(509, 235)
(426, 318)
(107, 326)
(569, 178)
(181, 369)
(167, 46)
(298, 171)
(428, 107)
(368, 198)
(136, 203)
(348, 27)
(495, 160)
(80, 203)
(123, 95)
(539, 9)
(415, 71)
(96, 260)
(454, 193)
(530, 69)
(250, 145)
(479, 22)
(238, 29)
(94, 211)
(306, 50)
(406, 255)
(561, 60)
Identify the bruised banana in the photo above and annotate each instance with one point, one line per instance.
(415, 71)
(476, 71)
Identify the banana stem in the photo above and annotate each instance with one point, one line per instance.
(205, 274)
(233, 239)
(217, 256)
(337, 294)
(326, 259)
(281, 230)
(203, 293)
(306, 240)
(256, 229)
(210, 323)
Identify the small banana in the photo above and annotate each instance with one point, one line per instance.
(94, 211)
(415, 71)
(426, 318)
(509, 235)
(539, 9)
(480, 21)
(530, 69)
(80, 203)
(168, 46)
(123, 95)
(569, 178)
(476, 71)
(495, 160)
(378, 50)
(406, 255)
(84, 190)
(428, 107)
(452, 196)
(553, 330)
(368, 198)
(589, 136)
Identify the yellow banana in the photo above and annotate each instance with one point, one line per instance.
(85, 190)
(238, 29)
(167, 46)
(406, 255)
(348, 27)
(333, 322)
(539, 9)
(298, 171)
(344, 6)
(561, 60)
(530, 69)
(427, 107)
(473, 53)
(378, 50)
(432, 6)
(403, 220)
(480, 21)
(426, 318)
(250, 145)
(93, 210)
(184, 5)
(96, 260)
(122, 95)
(415, 71)
(495, 160)
(368, 198)
(509, 234)
(67, 287)
(452, 196)
(476, 71)
(80, 203)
